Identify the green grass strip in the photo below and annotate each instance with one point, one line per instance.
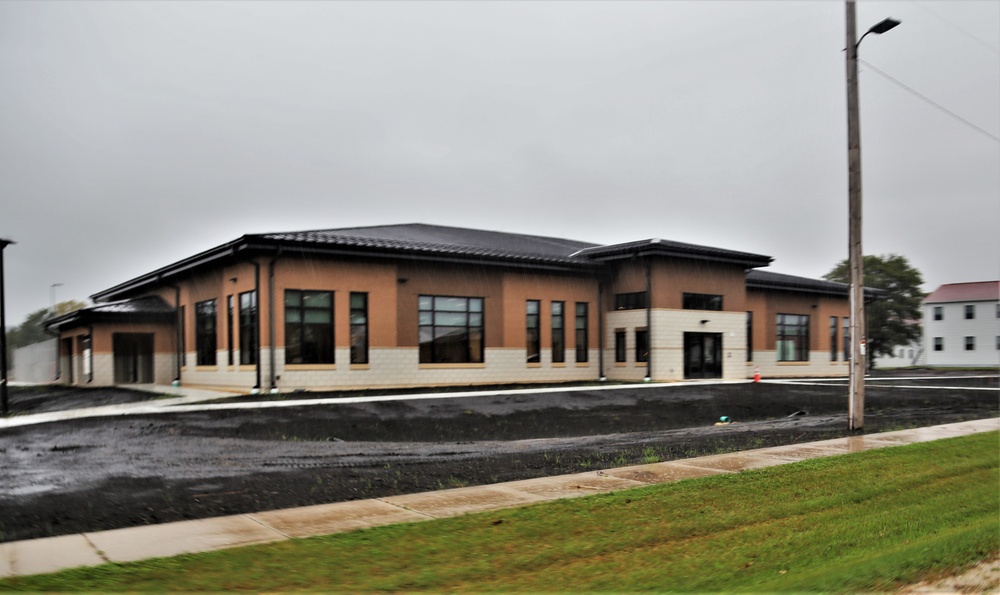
(870, 521)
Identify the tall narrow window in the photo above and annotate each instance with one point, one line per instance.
(620, 354)
(833, 338)
(248, 328)
(847, 339)
(205, 338)
(938, 343)
(229, 329)
(532, 332)
(183, 334)
(938, 312)
(582, 333)
(451, 329)
(970, 311)
(308, 327)
(641, 345)
(359, 328)
(793, 338)
(749, 336)
(558, 332)
(970, 343)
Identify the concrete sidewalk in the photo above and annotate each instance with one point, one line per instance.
(153, 541)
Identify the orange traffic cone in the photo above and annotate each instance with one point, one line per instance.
(756, 374)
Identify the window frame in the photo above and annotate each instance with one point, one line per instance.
(558, 324)
(247, 321)
(322, 352)
(970, 311)
(432, 351)
(938, 312)
(938, 343)
(970, 343)
(358, 317)
(621, 347)
(533, 331)
(834, 347)
(799, 340)
(581, 327)
(206, 332)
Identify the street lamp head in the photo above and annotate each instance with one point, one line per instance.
(883, 26)
(4, 243)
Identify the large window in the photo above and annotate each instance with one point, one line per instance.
(359, 328)
(833, 338)
(558, 332)
(308, 327)
(793, 338)
(641, 345)
(702, 301)
(620, 354)
(582, 342)
(631, 301)
(533, 335)
(451, 329)
(204, 332)
(248, 328)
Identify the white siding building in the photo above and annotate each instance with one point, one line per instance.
(962, 325)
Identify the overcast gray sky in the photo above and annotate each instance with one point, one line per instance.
(134, 134)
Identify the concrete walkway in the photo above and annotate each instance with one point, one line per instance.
(153, 541)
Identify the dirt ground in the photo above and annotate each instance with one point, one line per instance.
(110, 472)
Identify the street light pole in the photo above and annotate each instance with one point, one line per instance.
(856, 401)
(4, 409)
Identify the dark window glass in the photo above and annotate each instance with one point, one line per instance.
(702, 301)
(847, 339)
(359, 328)
(970, 312)
(938, 313)
(533, 336)
(229, 329)
(793, 338)
(183, 337)
(938, 343)
(749, 336)
(582, 342)
(833, 338)
(205, 338)
(970, 343)
(248, 328)
(631, 301)
(641, 345)
(558, 332)
(451, 329)
(308, 327)
(620, 354)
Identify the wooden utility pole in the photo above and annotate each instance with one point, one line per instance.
(856, 404)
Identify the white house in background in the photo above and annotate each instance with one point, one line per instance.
(962, 325)
(903, 356)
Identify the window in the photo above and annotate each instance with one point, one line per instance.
(620, 355)
(359, 328)
(558, 332)
(938, 312)
(582, 340)
(970, 311)
(248, 328)
(998, 310)
(451, 329)
(970, 343)
(631, 301)
(833, 338)
(998, 342)
(533, 335)
(308, 327)
(938, 343)
(702, 301)
(847, 339)
(204, 329)
(793, 338)
(229, 329)
(183, 335)
(749, 336)
(641, 345)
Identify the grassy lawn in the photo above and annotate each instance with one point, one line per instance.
(870, 521)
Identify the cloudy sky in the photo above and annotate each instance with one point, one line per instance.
(134, 134)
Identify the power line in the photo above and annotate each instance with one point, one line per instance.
(957, 27)
(931, 102)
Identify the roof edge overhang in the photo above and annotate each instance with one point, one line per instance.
(749, 262)
(871, 294)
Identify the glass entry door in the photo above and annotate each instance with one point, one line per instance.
(702, 355)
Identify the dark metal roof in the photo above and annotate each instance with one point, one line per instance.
(778, 281)
(145, 309)
(657, 246)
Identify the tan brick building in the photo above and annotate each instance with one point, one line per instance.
(422, 305)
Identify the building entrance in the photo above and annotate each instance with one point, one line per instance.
(133, 358)
(702, 355)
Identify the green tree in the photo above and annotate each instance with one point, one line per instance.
(895, 320)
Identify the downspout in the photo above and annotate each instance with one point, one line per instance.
(270, 316)
(649, 321)
(256, 289)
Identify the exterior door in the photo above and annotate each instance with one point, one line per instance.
(702, 355)
(133, 358)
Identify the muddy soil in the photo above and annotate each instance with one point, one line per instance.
(102, 473)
